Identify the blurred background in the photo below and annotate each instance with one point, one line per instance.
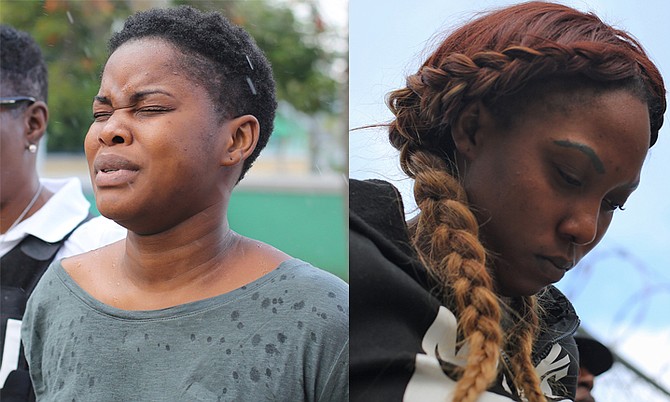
(622, 289)
(295, 196)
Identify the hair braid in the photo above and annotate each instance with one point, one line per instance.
(446, 236)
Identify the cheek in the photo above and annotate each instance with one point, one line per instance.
(91, 144)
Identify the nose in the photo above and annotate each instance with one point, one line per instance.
(581, 226)
(115, 130)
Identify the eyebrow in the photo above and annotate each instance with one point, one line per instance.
(588, 151)
(136, 97)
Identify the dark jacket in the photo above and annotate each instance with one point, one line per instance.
(402, 337)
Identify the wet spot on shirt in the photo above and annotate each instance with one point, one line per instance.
(167, 347)
(271, 349)
(51, 283)
(192, 337)
(313, 309)
(274, 310)
(256, 340)
(323, 315)
(146, 337)
(235, 375)
(299, 306)
(283, 277)
(222, 340)
(300, 324)
(340, 308)
(312, 336)
(228, 351)
(91, 382)
(61, 384)
(331, 295)
(234, 315)
(209, 339)
(240, 325)
(81, 319)
(265, 303)
(254, 374)
(255, 296)
(268, 372)
(281, 337)
(138, 349)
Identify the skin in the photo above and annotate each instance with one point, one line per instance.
(584, 386)
(174, 164)
(19, 180)
(544, 188)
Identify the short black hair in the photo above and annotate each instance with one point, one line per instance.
(221, 56)
(22, 67)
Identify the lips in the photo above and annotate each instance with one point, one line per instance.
(560, 262)
(113, 170)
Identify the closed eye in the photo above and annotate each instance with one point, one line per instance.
(569, 179)
(101, 116)
(153, 109)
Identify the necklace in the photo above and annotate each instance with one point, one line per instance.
(26, 209)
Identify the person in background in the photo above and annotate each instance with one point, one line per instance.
(594, 359)
(185, 309)
(41, 220)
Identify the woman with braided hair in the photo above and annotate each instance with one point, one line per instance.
(523, 132)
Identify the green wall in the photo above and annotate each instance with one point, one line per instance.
(306, 225)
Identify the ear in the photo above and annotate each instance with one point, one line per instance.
(466, 130)
(36, 117)
(244, 132)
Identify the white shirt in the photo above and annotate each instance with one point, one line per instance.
(61, 213)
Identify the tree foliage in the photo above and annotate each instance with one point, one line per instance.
(73, 35)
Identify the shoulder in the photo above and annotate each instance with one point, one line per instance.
(315, 284)
(313, 296)
(376, 210)
(369, 198)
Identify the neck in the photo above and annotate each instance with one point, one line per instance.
(193, 249)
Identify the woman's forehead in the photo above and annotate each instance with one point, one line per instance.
(143, 63)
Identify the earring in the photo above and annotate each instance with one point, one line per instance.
(32, 148)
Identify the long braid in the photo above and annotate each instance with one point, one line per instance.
(446, 236)
(493, 60)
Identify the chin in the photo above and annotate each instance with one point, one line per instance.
(511, 283)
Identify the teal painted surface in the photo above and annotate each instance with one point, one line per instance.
(309, 226)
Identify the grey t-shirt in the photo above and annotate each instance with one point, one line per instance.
(283, 337)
